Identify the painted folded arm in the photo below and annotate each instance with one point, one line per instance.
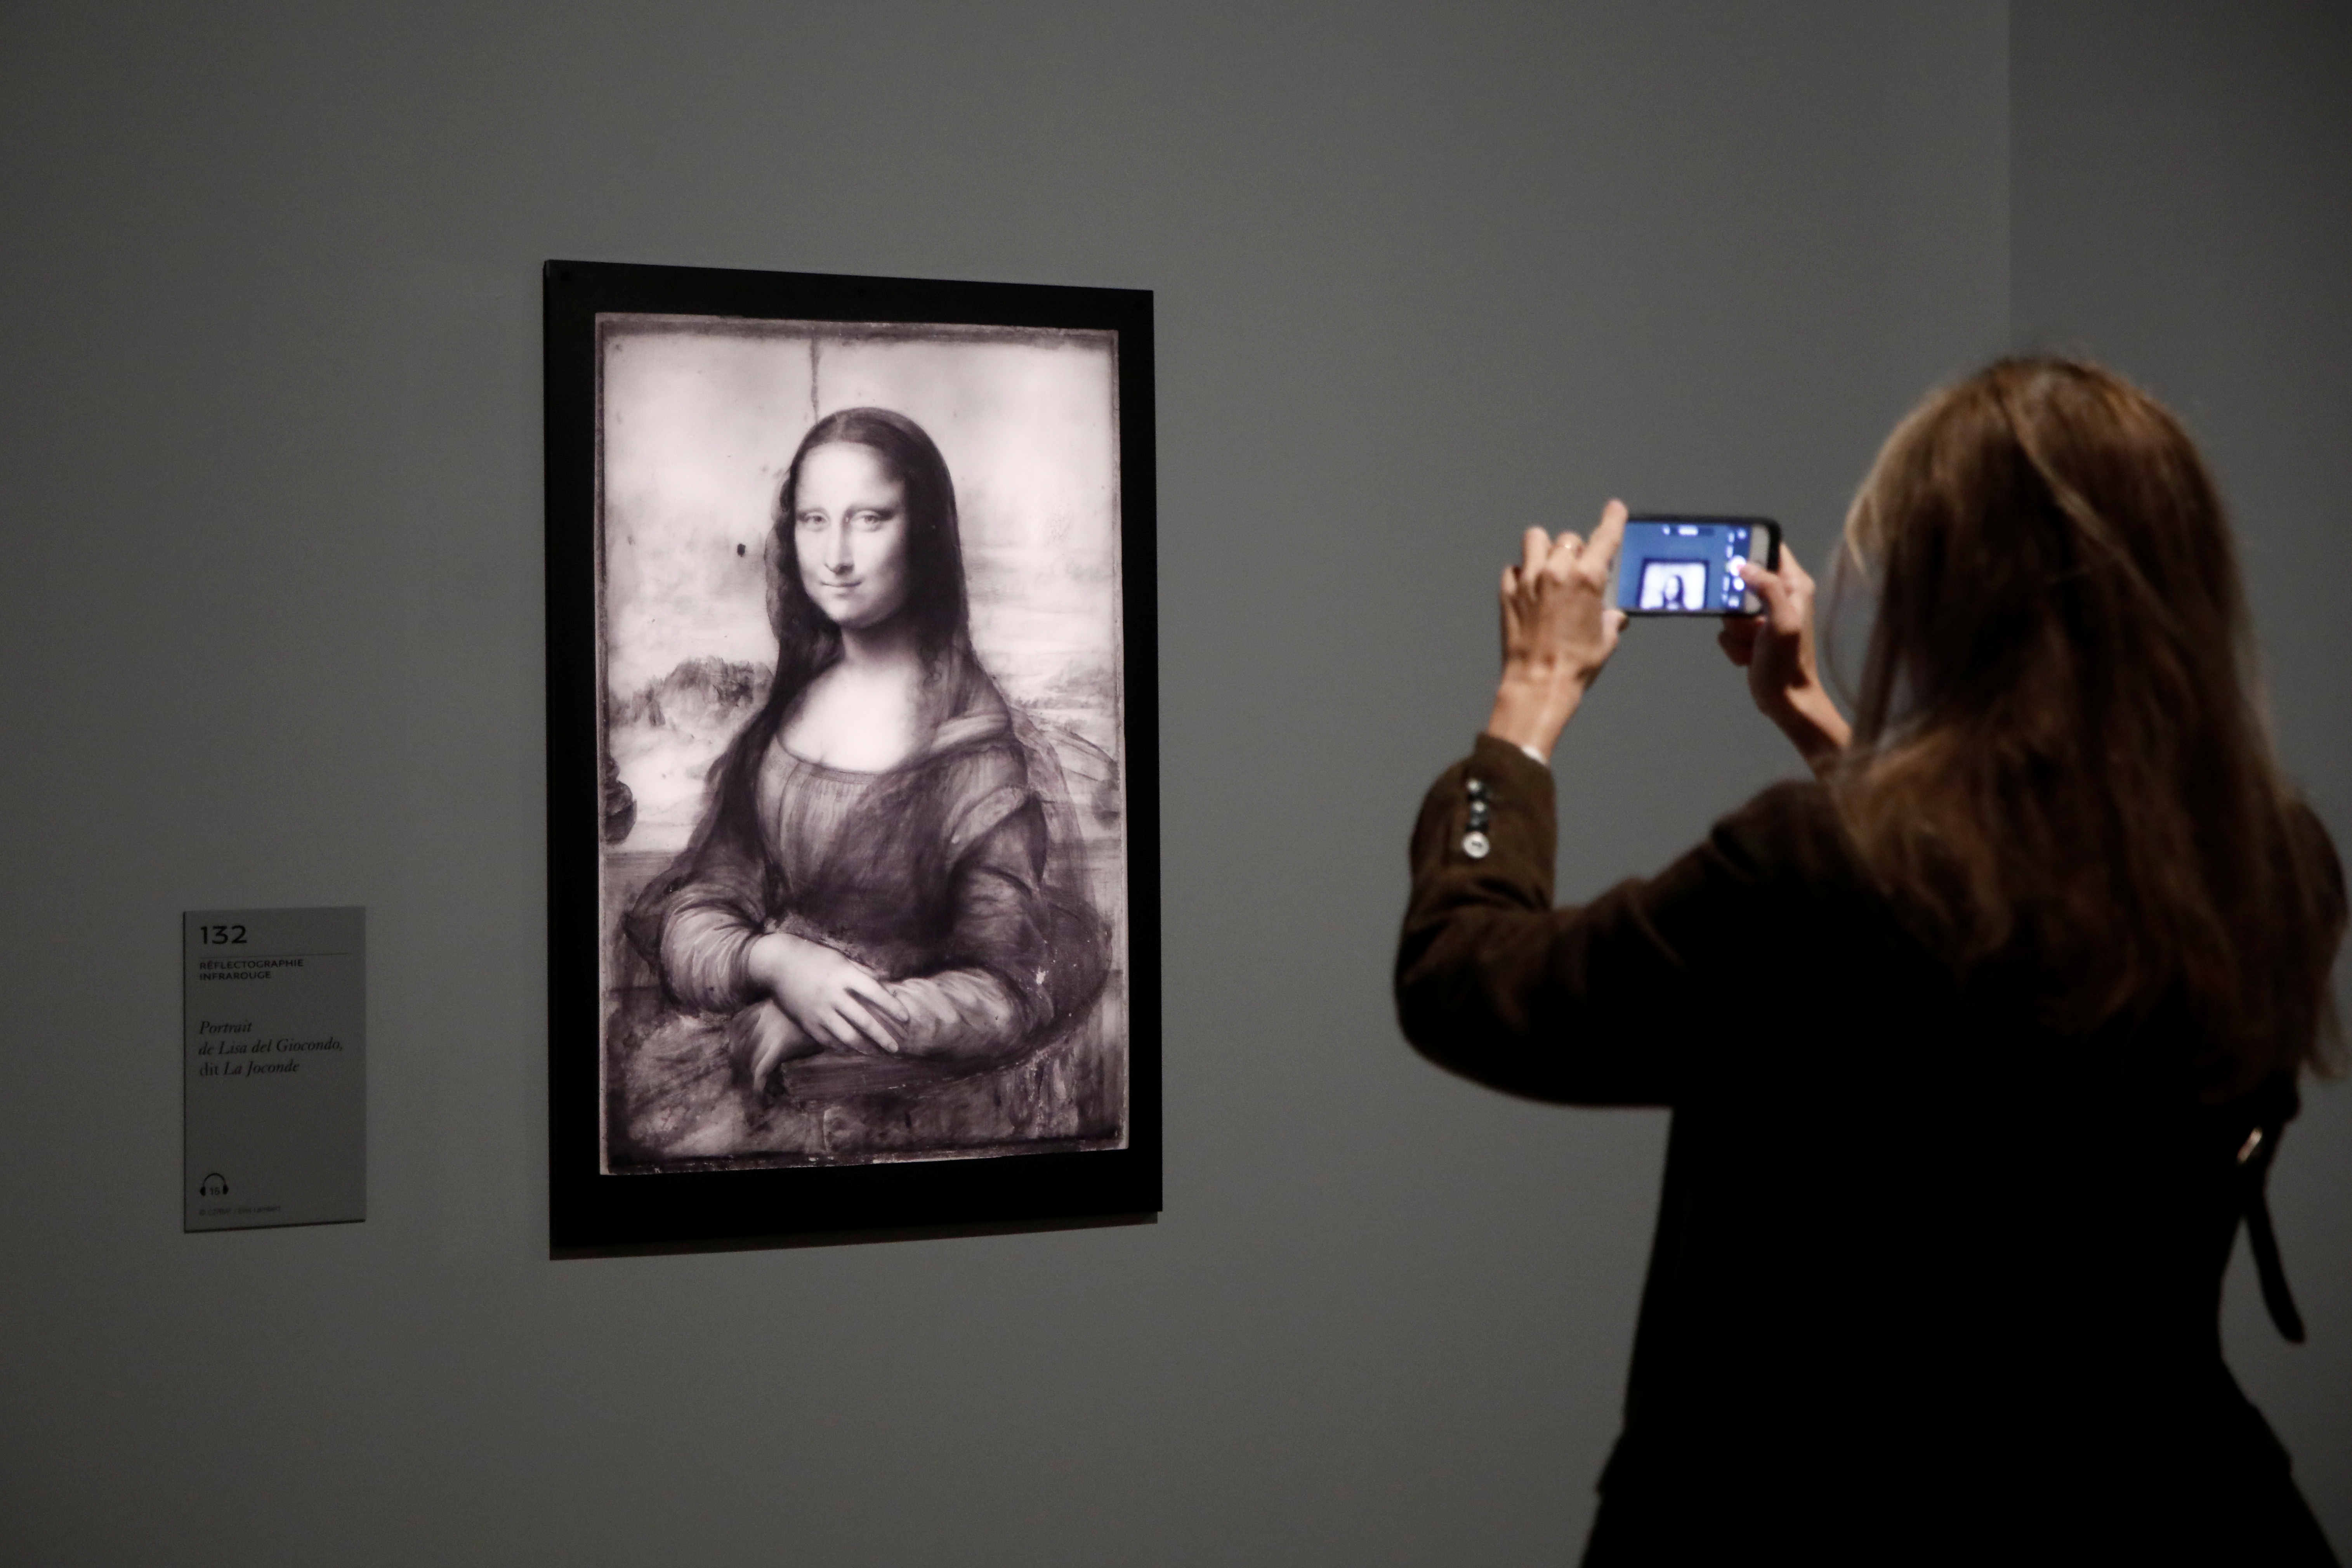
(696, 923)
(704, 944)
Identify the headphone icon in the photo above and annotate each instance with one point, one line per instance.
(214, 1185)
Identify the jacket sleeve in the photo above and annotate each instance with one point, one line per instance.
(1624, 1000)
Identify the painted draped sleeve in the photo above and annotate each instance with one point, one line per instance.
(993, 993)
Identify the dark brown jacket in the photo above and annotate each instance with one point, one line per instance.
(1929, 1282)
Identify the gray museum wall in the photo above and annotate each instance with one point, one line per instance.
(2182, 209)
(270, 623)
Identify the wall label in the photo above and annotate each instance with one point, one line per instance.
(274, 1016)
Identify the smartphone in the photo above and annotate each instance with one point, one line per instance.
(1686, 565)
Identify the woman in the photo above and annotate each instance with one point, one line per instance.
(1982, 1041)
(871, 898)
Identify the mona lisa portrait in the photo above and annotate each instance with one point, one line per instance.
(865, 765)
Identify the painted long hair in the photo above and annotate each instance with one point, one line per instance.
(2061, 761)
(807, 641)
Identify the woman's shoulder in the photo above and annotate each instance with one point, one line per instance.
(976, 739)
(975, 732)
(1791, 829)
(970, 781)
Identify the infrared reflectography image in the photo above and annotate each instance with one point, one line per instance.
(1674, 585)
(863, 872)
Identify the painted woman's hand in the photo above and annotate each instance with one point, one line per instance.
(762, 1038)
(833, 997)
(1783, 670)
(1558, 630)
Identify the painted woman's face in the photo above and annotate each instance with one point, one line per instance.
(849, 530)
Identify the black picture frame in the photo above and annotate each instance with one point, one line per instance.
(596, 1207)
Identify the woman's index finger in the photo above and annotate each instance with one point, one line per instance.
(876, 993)
(863, 1022)
(1598, 560)
(1610, 535)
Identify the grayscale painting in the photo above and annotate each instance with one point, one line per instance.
(864, 877)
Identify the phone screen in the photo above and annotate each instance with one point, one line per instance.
(1690, 566)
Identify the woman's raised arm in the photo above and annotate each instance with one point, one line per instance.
(1777, 649)
(1558, 630)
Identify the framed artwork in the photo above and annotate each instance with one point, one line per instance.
(853, 822)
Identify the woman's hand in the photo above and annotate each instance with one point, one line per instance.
(1557, 630)
(1783, 676)
(762, 1037)
(831, 996)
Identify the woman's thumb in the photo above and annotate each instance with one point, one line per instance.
(1778, 606)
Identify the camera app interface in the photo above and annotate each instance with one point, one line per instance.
(1668, 565)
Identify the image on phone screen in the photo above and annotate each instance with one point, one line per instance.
(1690, 566)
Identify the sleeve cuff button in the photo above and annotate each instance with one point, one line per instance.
(1475, 844)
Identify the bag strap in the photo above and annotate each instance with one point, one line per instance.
(2254, 1156)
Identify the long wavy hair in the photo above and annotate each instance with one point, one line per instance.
(807, 642)
(2061, 761)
